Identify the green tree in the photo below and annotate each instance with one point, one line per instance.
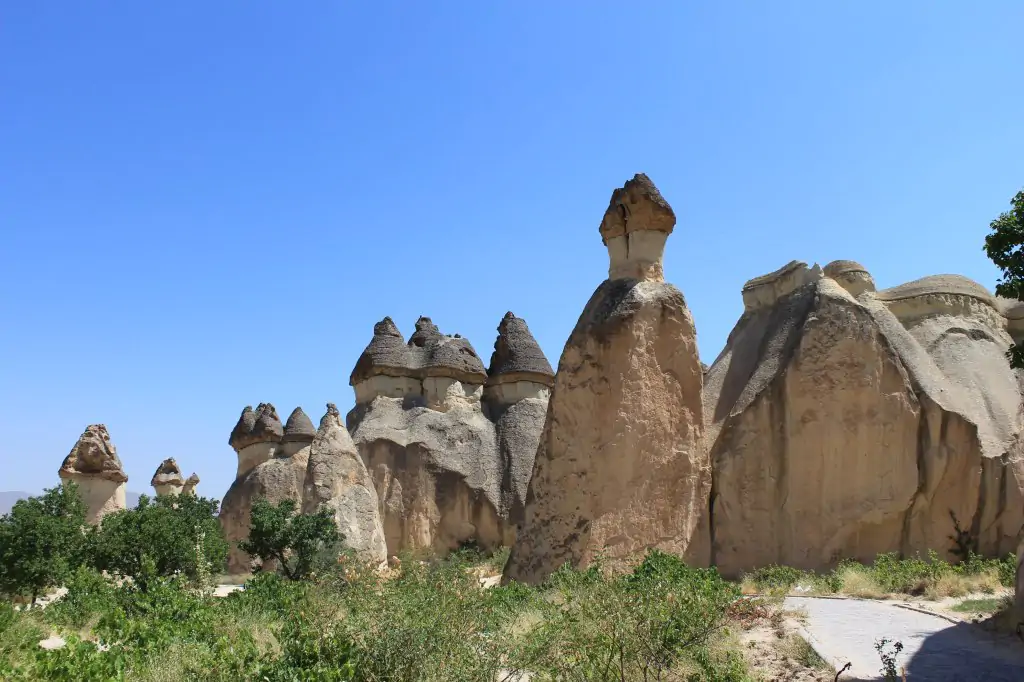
(1005, 246)
(295, 542)
(161, 537)
(41, 541)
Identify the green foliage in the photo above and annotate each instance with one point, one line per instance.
(775, 578)
(41, 541)
(1005, 246)
(643, 625)
(161, 538)
(299, 544)
(89, 595)
(888, 651)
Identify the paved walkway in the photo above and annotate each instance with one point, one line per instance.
(934, 649)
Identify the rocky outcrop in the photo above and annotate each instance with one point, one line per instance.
(167, 480)
(189, 488)
(622, 465)
(449, 447)
(93, 465)
(272, 461)
(337, 478)
(846, 422)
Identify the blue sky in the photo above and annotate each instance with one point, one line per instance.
(208, 205)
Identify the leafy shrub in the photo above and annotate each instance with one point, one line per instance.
(775, 578)
(161, 538)
(41, 541)
(89, 594)
(299, 544)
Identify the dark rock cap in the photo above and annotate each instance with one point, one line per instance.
(428, 353)
(637, 205)
(516, 352)
(839, 267)
(957, 285)
(298, 428)
(261, 426)
(94, 455)
(332, 414)
(167, 473)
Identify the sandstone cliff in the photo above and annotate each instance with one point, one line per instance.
(94, 466)
(272, 461)
(336, 477)
(448, 446)
(846, 422)
(622, 465)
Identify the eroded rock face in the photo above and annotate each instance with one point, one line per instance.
(336, 477)
(94, 466)
(449, 459)
(845, 422)
(167, 480)
(271, 465)
(621, 465)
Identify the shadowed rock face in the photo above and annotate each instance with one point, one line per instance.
(449, 461)
(94, 466)
(271, 465)
(845, 422)
(167, 480)
(337, 478)
(621, 466)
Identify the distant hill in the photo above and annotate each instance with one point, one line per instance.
(9, 497)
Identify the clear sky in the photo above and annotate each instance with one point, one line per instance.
(205, 205)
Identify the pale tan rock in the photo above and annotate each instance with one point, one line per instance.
(94, 466)
(167, 480)
(621, 466)
(450, 460)
(337, 478)
(190, 484)
(846, 422)
(270, 467)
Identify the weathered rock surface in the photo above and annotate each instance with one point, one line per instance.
(94, 466)
(167, 480)
(622, 465)
(270, 466)
(337, 477)
(449, 458)
(189, 488)
(846, 422)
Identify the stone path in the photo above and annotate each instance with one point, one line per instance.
(934, 649)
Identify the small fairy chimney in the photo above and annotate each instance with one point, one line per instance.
(93, 465)
(167, 479)
(634, 229)
(256, 436)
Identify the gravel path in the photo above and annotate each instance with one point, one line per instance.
(934, 649)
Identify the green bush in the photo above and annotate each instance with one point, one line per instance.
(89, 595)
(162, 538)
(775, 578)
(41, 542)
(299, 544)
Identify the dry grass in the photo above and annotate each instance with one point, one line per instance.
(955, 585)
(857, 582)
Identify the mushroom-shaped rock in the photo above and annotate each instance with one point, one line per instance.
(850, 275)
(93, 465)
(336, 477)
(634, 229)
(298, 434)
(432, 368)
(256, 436)
(621, 465)
(167, 480)
(517, 359)
(190, 484)
(267, 469)
(764, 291)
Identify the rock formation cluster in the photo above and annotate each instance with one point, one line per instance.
(167, 480)
(272, 459)
(95, 468)
(449, 444)
(622, 465)
(844, 422)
